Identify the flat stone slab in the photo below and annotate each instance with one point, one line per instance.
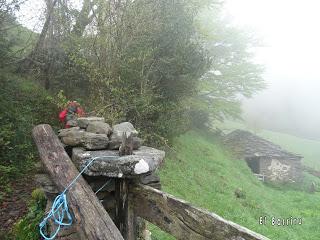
(99, 128)
(77, 137)
(83, 122)
(143, 161)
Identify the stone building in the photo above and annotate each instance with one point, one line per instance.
(265, 158)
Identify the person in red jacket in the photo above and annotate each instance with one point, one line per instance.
(70, 114)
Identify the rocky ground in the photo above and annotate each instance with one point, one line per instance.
(14, 204)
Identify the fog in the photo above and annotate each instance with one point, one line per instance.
(291, 36)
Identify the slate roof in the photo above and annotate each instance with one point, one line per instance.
(247, 145)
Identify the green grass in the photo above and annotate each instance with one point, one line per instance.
(203, 173)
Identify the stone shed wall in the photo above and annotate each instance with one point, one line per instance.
(281, 170)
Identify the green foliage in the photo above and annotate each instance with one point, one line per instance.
(6, 20)
(60, 100)
(27, 227)
(148, 64)
(7, 172)
(15, 40)
(151, 63)
(22, 106)
(233, 73)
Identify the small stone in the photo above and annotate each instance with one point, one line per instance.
(71, 136)
(124, 127)
(150, 178)
(141, 167)
(83, 122)
(240, 193)
(38, 166)
(92, 141)
(146, 234)
(66, 131)
(10, 220)
(99, 128)
(115, 142)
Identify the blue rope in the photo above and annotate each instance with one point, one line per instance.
(107, 182)
(60, 209)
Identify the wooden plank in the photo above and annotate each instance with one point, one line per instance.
(182, 220)
(125, 218)
(87, 210)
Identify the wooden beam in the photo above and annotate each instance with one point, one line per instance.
(182, 220)
(87, 210)
(124, 218)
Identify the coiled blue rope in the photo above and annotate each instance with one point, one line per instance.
(60, 210)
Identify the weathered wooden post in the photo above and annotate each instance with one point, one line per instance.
(87, 210)
(112, 174)
(125, 217)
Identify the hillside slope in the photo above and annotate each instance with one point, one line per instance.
(200, 171)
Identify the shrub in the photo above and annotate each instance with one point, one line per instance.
(22, 105)
(27, 227)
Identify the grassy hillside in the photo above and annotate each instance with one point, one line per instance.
(202, 172)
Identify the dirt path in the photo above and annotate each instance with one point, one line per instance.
(14, 204)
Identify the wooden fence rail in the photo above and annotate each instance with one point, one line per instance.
(173, 215)
(182, 220)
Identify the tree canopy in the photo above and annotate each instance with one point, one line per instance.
(164, 65)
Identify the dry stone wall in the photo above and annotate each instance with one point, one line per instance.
(275, 163)
(93, 137)
(281, 170)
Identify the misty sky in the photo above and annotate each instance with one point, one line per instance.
(291, 36)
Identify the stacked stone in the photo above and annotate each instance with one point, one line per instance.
(93, 133)
(93, 137)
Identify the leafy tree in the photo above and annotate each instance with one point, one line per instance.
(162, 65)
(233, 73)
(143, 61)
(7, 21)
(15, 40)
